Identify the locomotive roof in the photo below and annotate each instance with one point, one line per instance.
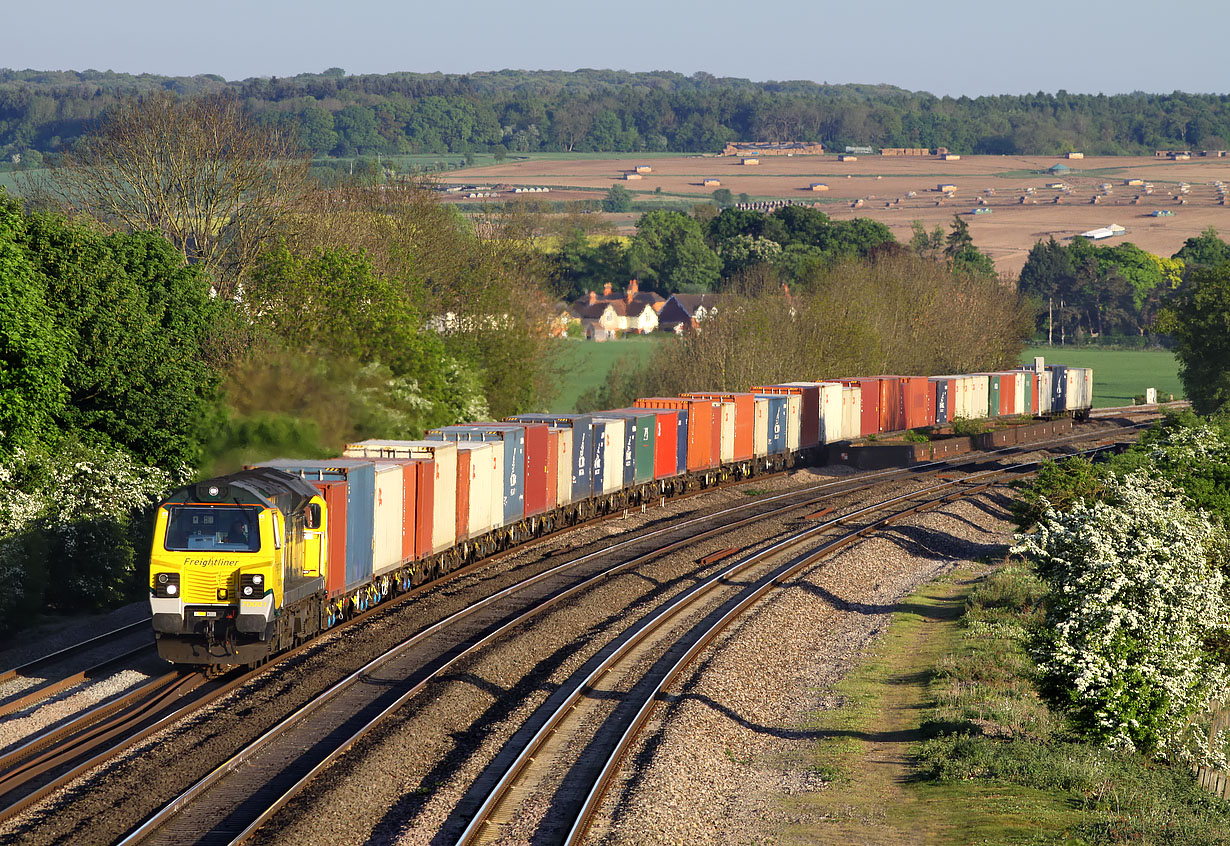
(256, 486)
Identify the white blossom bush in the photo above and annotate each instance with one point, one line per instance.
(65, 526)
(1135, 590)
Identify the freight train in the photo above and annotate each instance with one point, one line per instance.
(248, 565)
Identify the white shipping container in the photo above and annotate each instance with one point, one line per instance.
(851, 412)
(760, 429)
(831, 428)
(1044, 391)
(980, 392)
(727, 447)
(612, 447)
(444, 454)
(1022, 398)
(794, 421)
(563, 467)
(390, 526)
(482, 479)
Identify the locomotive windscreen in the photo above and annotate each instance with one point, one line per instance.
(211, 527)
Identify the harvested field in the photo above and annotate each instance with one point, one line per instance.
(884, 184)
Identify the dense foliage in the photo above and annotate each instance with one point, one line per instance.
(1135, 646)
(602, 110)
(1199, 317)
(1085, 291)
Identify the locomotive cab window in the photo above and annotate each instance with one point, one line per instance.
(223, 529)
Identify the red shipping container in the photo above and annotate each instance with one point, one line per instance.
(424, 505)
(334, 494)
(464, 476)
(809, 421)
(1007, 394)
(700, 427)
(745, 418)
(552, 467)
(715, 433)
(916, 402)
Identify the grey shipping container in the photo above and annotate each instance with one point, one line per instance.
(360, 478)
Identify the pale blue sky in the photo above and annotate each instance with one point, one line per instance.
(959, 47)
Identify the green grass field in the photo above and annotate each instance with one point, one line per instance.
(1118, 375)
(586, 364)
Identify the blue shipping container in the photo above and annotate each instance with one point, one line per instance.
(778, 409)
(941, 400)
(681, 451)
(599, 431)
(1059, 385)
(582, 448)
(512, 438)
(360, 478)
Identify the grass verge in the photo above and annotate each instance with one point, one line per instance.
(941, 737)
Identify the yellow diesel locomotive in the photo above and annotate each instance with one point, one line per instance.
(238, 568)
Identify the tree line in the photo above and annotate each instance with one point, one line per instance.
(334, 114)
(154, 331)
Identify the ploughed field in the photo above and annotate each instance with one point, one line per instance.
(883, 184)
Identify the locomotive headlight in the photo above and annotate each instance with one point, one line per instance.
(247, 590)
(172, 590)
(163, 578)
(258, 579)
(213, 490)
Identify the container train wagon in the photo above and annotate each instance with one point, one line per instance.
(247, 565)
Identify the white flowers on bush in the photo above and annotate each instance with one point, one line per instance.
(1134, 591)
(51, 491)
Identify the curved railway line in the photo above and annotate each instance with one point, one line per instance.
(361, 701)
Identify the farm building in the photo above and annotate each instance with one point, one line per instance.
(819, 186)
(1075, 155)
(747, 162)
(632, 176)
(1180, 157)
(773, 148)
(1108, 231)
(1161, 213)
(946, 188)
(907, 151)
(644, 169)
(1057, 186)
(711, 183)
(980, 210)
(1058, 168)
(1217, 154)
(1170, 154)
(859, 150)
(1135, 183)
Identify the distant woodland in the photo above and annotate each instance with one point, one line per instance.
(43, 112)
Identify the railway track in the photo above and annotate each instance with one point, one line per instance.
(249, 788)
(581, 716)
(690, 530)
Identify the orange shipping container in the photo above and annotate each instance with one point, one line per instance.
(745, 416)
(699, 423)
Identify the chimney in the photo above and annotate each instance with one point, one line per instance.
(634, 287)
(606, 289)
(593, 298)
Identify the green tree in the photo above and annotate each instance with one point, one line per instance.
(618, 199)
(723, 197)
(958, 238)
(1199, 316)
(139, 324)
(1207, 250)
(33, 353)
(669, 251)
